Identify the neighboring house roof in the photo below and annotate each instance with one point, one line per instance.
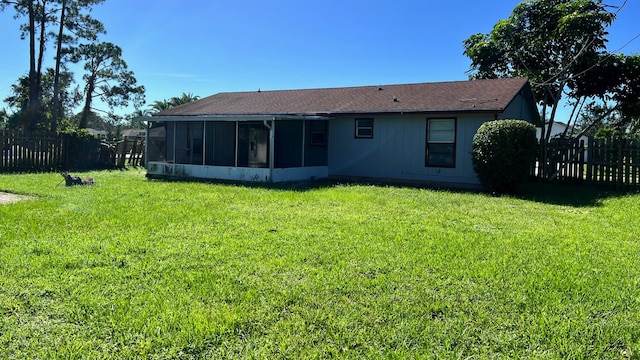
(100, 133)
(558, 128)
(492, 95)
(133, 132)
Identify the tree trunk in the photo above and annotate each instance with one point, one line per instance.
(33, 81)
(86, 110)
(43, 40)
(552, 118)
(56, 78)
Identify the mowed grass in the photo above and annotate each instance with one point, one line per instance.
(131, 268)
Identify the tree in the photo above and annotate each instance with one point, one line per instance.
(160, 105)
(107, 78)
(544, 40)
(37, 15)
(79, 25)
(613, 91)
(185, 98)
(41, 14)
(19, 99)
(4, 118)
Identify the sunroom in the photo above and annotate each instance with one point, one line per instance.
(239, 148)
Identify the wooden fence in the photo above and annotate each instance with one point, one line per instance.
(614, 162)
(45, 152)
(130, 152)
(27, 153)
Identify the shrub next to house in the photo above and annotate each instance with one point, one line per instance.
(503, 152)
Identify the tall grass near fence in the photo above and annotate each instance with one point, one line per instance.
(131, 268)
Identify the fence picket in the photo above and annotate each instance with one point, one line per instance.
(614, 162)
(21, 152)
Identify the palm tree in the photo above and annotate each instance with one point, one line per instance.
(183, 99)
(160, 105)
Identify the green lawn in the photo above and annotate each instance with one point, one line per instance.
(131, 268)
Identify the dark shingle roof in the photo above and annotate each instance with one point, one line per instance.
(475, 95)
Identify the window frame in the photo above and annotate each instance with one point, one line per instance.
(359, 127)
(316, 141)
(317, 133)
(454, 143)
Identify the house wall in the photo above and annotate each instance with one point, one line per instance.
(397, 149)
(518, 109)
(161, 169)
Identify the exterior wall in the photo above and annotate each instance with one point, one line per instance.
(397, 149)
(519, 109)
(300, 174)
(235, 173)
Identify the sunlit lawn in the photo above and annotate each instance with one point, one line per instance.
(131, 268)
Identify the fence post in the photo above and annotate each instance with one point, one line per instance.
(590, 159)
(620, 175)
(123, 156)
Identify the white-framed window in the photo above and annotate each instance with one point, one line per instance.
(441, 142)
(364, 128)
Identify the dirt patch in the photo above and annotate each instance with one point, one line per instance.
(7, 198)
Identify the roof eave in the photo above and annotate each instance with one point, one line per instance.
(324, 114)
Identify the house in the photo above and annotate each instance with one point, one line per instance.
(558, 130)
(133, 133)
(101, 134)
(410, 133)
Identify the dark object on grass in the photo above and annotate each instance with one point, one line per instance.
(71, 180)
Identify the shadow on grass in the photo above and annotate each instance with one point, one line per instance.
(555, 194)
(569, 195)
(318, 184)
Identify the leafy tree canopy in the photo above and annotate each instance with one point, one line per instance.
(548, 41)
(160, 105)
(107, 77)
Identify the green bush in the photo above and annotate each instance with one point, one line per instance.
(82, 149)
(503, 153)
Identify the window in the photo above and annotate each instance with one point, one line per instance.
(318, 139)
(441, 143)
(189, 142)
(364, 128)
(318, 132)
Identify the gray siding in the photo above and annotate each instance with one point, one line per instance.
(397, 149)
(518, 109)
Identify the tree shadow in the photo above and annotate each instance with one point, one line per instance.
(574, 195)
(578, 195)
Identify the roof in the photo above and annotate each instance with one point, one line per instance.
(133, 132)
(473, 95)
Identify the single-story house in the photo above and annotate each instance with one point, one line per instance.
(558, 129)
(409, 133)
(101, 134)
(133, 133)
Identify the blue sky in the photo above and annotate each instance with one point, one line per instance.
(209, 46)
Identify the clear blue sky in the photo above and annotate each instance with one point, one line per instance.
(209, 46)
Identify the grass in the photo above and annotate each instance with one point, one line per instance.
(131, 268)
